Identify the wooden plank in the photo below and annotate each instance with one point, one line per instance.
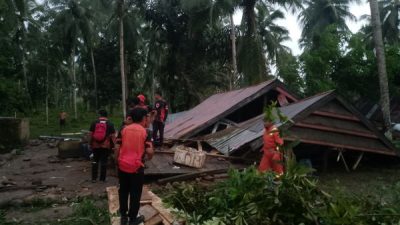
(148, 212)
(155, 220)
(113, 204)
(145, 198)
(344, 160)
(239, 159)
(358, 161)
(191, 175)
(336, 107)
(165, 213)
(335, 115)
(167, 167)
(337, 123)
(323, 143)
(337, 130)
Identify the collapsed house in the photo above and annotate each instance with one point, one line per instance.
(224, 110)
(232, 123)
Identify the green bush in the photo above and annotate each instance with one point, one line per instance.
(249, 197)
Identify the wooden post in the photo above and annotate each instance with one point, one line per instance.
(340, 156)
(358, 161)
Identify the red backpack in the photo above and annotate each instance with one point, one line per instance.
(100, 131)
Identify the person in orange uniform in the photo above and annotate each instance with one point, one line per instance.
(272, 158)
(142, 102)
(135, 146)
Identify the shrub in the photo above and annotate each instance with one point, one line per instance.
(249, 197)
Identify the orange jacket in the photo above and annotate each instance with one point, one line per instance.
(132, 148)
(271, 139)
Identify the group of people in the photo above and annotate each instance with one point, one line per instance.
(132, 146)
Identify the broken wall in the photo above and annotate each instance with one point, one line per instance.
(14, 131)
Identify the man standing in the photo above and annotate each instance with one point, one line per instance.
(272, 158)
(102, 133)
(142, 102)
(63, 118)
(135, 145)
(159, 123)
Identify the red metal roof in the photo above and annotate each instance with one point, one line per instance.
(215, 108)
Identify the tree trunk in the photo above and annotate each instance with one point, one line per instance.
(234, 64)
(127, 72)
(95, 80)
(250, 17)
(380, 56)
(74, 86)
(26, 87)
(121, 54)
(47, 92)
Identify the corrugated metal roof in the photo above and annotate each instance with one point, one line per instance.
(210, 110)
(232, 139)
(173, 116)
(293, 109)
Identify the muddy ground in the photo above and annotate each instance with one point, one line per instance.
(35, 178)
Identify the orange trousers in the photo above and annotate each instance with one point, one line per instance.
(271, 160)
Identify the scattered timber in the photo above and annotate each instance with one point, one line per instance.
(44, 137)
(151, 208)
(191, 176)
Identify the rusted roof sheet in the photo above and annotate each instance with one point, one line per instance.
(234, 138)
(215, 108)
(173, 116)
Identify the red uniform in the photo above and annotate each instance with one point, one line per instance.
(134, 138)
(272, 158)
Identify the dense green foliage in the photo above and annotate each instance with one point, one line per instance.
(249, 197)
(50, 48)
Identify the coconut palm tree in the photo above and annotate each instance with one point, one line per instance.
(73, 23)
(21, 15)
(258, 32)
(380, 56)
(320, 14)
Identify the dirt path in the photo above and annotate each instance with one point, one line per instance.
(37, 173)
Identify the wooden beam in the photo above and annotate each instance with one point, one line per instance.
(215, 127)
(358, 161)
(234, 158)
(336, 130)
(282, 91)
(191, 175)
(113, 204)
(165, 213)
(335, 115)
(340, 156)
(372, 150)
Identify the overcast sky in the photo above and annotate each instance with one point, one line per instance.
(295, 31)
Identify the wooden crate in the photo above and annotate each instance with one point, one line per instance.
(189, 156)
